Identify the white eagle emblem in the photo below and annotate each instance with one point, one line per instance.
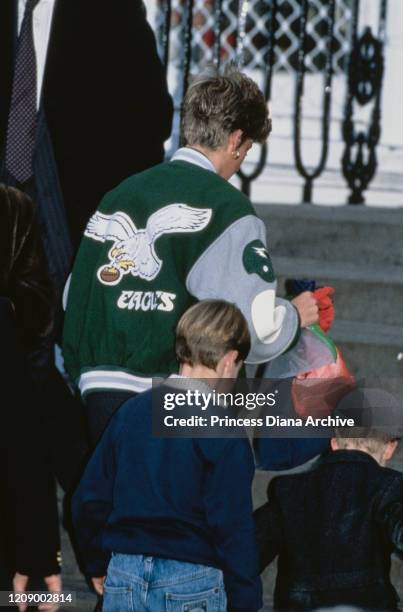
(133, 249)
(261, 251)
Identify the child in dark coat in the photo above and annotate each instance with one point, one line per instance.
(335, 526)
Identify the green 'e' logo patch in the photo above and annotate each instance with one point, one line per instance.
(257, 260)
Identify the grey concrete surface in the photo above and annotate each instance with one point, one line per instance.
(359, 251)
(352, 234)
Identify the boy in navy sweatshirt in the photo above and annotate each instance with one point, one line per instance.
(170, 520)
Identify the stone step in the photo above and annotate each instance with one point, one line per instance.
(359, 251)
(371, 352)
(374, 366)
(363, 293)
(368, 334)
(355, 234)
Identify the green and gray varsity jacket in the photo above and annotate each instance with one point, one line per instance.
(160, 241)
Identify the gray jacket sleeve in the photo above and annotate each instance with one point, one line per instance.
(237, 267)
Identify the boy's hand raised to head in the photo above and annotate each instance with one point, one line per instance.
(307, 307)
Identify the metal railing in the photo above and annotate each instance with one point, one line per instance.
(299, 37)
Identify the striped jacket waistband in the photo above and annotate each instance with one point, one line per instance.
(100, 380)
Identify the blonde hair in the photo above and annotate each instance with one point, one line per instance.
(210, 329)
(372, 441)
(379, 417)
(216, 105)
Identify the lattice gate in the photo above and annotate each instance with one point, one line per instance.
(312, 40)
(245, 27)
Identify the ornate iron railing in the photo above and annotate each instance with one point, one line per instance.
(297, 37)
(365, 74)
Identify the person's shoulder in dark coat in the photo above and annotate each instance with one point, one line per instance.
(334, 529)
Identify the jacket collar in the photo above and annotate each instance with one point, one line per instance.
(193, 157)
(346, 456)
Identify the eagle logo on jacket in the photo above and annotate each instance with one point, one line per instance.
(133, 250)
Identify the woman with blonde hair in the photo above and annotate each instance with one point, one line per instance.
(166, 237)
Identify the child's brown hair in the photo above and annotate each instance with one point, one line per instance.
(210, 329)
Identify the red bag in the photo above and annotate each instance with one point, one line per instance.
(317, 393)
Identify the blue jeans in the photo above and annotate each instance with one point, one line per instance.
(135, 583)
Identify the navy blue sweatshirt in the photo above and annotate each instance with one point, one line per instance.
(182, 499)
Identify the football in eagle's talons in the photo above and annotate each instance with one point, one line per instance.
(109, 274)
